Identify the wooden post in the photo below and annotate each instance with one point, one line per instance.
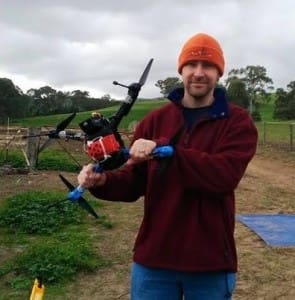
(291, 136)
(33, 147)
(7, 134)
(264, 133)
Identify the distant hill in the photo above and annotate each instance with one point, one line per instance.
(138, 111)
(141, 108)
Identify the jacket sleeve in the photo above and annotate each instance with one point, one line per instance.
(221, 170)
(125, 184)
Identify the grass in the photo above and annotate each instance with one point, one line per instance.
(50, 159)
(54, 244)
(13, 158)
(280, 133)
(266, 111)
(271, 131)
(138, 111)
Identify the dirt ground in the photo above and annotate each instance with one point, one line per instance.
(264, 273)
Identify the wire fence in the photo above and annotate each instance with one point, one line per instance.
(275, 134)
(13, 140)
(278, 134)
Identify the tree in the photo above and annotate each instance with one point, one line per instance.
(106, 98)
(13, 103)
(291, 87)
(237, 93)
(80, 94)
(79, 100)
(45, 101)
(256, 80)
(285, 103)
(281, 104)
(169, 84)
(65, 104)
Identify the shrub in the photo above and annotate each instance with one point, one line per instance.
(30, 212)
(59, 259)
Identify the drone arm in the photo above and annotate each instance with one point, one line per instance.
(77, 193)
(159, 152)
(71, 135)
(124, 109)
(133, 91)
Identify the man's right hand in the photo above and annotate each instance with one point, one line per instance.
(88, 178)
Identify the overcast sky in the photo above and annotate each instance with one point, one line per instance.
(87, 44)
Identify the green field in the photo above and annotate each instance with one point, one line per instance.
(269, 130)
(266, 111)
(138, 111)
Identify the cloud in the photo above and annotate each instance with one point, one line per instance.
(72, 44)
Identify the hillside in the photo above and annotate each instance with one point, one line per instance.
(138, 111)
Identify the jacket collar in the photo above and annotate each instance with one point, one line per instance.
(217, 110)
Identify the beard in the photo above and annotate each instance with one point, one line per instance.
(200, 90)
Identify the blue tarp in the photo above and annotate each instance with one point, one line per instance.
(276, 230)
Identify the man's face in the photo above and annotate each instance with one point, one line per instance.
(199, 79)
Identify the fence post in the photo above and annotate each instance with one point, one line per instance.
(291, 135)
(264, 133)
(33, 147)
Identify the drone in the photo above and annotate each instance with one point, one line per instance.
(103, 142)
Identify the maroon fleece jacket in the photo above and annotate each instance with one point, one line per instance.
(189, 208)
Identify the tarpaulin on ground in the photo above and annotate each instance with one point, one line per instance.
(276, 230)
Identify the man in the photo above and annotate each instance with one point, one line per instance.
(185, 245)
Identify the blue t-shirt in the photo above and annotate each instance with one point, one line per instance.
(191, 115)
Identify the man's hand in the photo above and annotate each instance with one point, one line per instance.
(141, 150)
(87, 178)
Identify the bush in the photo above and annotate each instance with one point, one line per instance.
(30, 212)
(57, 260)
(256, 116)
(12, 158)
(51, 159)
(57, 160)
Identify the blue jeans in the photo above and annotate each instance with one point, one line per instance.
(162, 284)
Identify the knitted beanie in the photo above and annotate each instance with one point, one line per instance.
(201, 47)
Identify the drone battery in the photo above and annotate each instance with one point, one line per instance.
(103, 147)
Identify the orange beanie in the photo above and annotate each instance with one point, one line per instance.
(202, 47)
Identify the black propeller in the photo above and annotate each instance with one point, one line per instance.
(133, 91)
(81, 201)
(63, 125)
(53, 134)
(145, 73)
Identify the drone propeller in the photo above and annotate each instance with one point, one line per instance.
(49, 142)
(63, 124)
(145, 73)
(81, 201)
(142, 79)
(133, 91)
(54, 134)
